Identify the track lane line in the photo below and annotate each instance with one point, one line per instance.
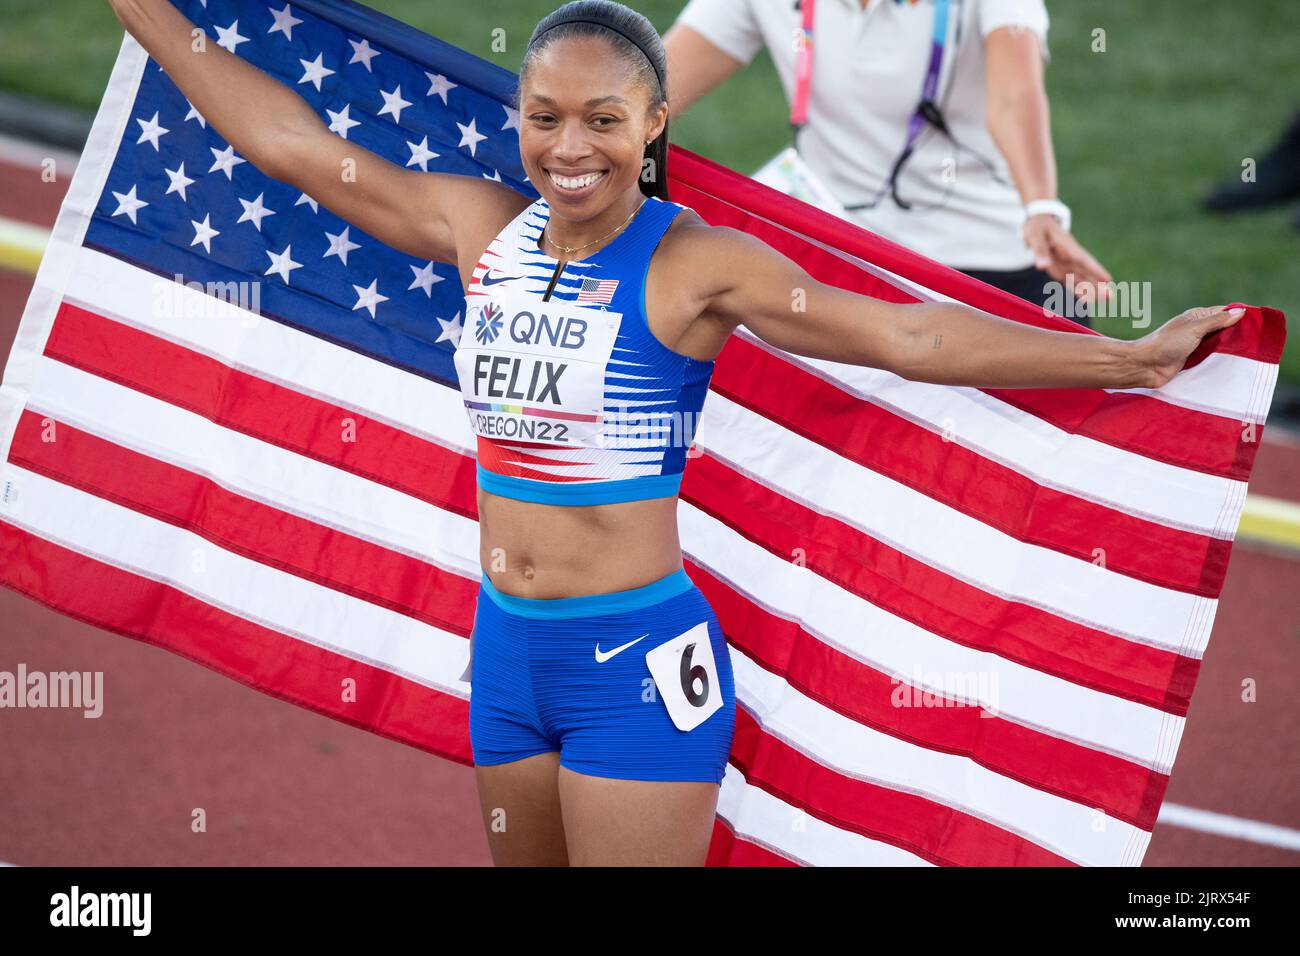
(1236, 828)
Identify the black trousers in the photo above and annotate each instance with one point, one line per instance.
(1033, 285)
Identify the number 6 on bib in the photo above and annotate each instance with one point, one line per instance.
(687, 677)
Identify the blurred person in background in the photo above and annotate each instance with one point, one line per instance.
(926, 122)
(1275, 179)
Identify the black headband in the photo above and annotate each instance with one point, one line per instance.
(610, 26)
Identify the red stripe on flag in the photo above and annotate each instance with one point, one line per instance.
(266, 660)
(936, 832)
(728, 849)
(258, 531)
(273, 413)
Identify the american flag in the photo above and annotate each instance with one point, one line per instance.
(965, 623)
(597, 290)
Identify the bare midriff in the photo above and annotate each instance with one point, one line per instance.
(552, 551)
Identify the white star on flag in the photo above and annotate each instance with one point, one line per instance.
(316, 71)
(424, 279)
(151, 131)
(254, 211)
(470, 136)
(128, 203)
(178, 181)
(369, 297)
(512, 118)
(451, 331)
(340, 245)
(282, 264)
(341, 122)
(203, 232)
(304, 198)
(225, 160)
(194, 114)
(363, 53)
(420, 153)
(229, 37)
(285, 21)
(393, 104)
(439, 85)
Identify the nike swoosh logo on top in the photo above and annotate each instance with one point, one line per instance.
(601, 657)
(488, 280)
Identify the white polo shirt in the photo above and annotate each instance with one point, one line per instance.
(868, 70)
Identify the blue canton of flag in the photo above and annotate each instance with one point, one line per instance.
(174, 177)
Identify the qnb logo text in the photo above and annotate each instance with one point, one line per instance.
(559, 332)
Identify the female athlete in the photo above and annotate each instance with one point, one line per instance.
(602, 704)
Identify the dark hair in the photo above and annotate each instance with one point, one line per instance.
(635, 39)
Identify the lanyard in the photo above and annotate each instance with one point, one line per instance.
(804, 65)
(803, 70)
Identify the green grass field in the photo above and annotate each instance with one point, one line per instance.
(1185, 90)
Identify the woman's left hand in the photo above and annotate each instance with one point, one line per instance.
(1163, 352)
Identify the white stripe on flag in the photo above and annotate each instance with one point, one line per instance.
(770, 822)
(275, 599)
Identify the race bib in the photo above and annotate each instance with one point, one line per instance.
(534, 371)
(687, 677)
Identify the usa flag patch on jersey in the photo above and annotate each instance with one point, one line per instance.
(597, 290)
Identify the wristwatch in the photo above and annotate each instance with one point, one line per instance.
(1052, 207)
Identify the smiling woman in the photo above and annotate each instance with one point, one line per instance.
(603, 703)
(632, 144)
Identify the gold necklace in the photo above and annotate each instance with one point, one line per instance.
(570, 250)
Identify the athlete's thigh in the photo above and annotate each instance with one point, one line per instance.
(520, 802)
(612, 822)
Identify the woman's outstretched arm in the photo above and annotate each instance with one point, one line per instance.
(277, 131)
(737, 279)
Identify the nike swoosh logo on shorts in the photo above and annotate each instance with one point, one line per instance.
(601, 657)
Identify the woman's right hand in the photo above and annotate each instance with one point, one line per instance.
(436, 216)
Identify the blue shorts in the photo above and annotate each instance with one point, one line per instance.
(570, 675)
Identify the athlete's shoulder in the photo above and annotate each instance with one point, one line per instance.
(689, 235)
(706, 255)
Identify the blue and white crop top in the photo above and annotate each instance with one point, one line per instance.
(572, 399)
